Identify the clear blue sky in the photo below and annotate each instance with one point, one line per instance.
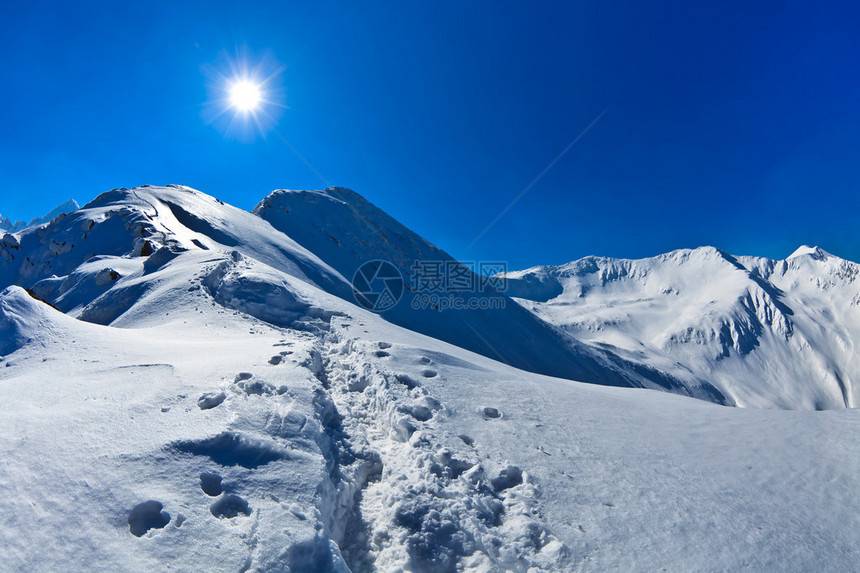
(733, 124)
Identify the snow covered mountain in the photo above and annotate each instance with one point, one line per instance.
(190, 386)
(345, 230)
(9, 226)
(317, 236)
(765, 333)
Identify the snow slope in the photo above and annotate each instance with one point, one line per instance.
(765, 333)
(345, 230)
(203, 395)
(96, 262)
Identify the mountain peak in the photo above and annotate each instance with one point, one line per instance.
(10, 226)
(816, 253)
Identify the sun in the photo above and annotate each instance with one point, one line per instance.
(245, 95)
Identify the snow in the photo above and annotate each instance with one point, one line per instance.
(761, 333)
(229, 408)
(345, 230)
(8, 225)
(814, 252)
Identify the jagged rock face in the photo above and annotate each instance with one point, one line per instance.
(766, 333)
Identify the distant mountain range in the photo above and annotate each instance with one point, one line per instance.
(10, 226)
(764, 333)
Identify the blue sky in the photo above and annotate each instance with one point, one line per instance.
(731, 124)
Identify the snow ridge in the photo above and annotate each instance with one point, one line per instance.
(750, 326)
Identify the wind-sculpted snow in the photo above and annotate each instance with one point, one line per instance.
(19, 316)
(143, 221)
(763, 332)
(260, 291)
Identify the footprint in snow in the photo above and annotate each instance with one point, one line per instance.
(145, 516)
(384, 345)
(382, 354)
(210, 483)
(276, 359)
(490, 412)
(257, 388)
(297, 512)
(422, 409)
(211, 400)
(428, 373)
(254, 387)
(407, 381)
(230, 505)
(417, 411)
(509, 477)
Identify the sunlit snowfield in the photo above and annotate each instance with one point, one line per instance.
(210, 398)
